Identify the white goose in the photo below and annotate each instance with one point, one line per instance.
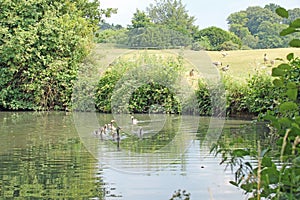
(133, 120)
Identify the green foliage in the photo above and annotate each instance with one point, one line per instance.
(41, 45)
(254, 97)
(217, 37)
(140, 20)
(262, 95)
(111, 36)
(210, 99)
(262, 24)
(236, 95)
(158, 37)
(202, 44)
(229, 45)
(204, 99)
(105, 89)
(126, 84)
(155, 98)
(275, 176)
(173, 15)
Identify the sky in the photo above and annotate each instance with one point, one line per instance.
(207, 12)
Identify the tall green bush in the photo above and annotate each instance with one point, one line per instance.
(142, 84)
(42, 43)
(262, 94)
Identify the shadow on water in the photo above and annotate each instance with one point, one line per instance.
(58, 156)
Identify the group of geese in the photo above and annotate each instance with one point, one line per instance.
(108, 130)
(113, 132)
(219, 64)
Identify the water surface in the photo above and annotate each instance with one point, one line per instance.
(57, 155)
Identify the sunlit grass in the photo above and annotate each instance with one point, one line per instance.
(242, 63)
(246, 62)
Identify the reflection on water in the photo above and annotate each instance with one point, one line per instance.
(41, 157)
(57, 155)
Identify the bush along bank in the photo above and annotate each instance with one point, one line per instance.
(250, 98)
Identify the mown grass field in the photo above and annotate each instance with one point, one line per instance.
(246, 62)
(242, 63)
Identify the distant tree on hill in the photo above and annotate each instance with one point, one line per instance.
(158, 37)
(259, 27)
(140, 19)
(218, 36)
(104, 26)
(172, 14)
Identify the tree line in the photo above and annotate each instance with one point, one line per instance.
(254, 28)
(44, 42)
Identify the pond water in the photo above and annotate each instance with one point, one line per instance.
(56, 155)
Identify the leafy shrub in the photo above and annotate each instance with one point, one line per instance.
(129, 87)
(236, 95)
(111, 36)
(211, 99)
(217, 37)
(42, 44)
(201, 44)
(155, 98)
(229, 45)
(262, 95)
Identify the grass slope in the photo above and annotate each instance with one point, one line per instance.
(245, 62)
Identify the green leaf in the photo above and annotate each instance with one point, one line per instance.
(234, 183)
(277, 72)
(247, 187)
(285, 121)
(284, 66)
(270, 117)
(292, 94)
(270, 175)
(287, 31)
(278, 82)
(282, 12)
(295, 23)
(297, 120)
(296, 126)
(288, 106)
(295, 43)
(290, 56)
(267, 162)
(291, 85)
(240, 152)
(296, 161)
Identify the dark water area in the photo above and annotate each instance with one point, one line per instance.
(57, 155)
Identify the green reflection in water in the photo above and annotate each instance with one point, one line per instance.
(41, 157)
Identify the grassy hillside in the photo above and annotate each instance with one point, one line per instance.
(242, 63)
(245, 62)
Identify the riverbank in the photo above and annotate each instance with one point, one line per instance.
(246, 87)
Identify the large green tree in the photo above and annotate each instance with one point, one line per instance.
(42, 43)
(173, 15)
(259, 27)
(140, 19)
